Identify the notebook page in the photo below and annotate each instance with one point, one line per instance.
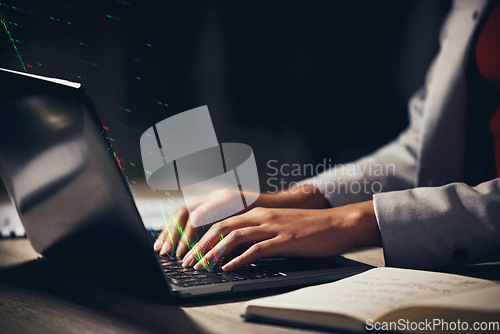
(374, 292)
(487, 300)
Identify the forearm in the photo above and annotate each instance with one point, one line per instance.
(358, 220)
(364, 224)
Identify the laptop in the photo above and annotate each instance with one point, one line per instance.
(76, 206)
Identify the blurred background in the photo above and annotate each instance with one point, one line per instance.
(298, 81)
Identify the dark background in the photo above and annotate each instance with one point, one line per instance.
(298, 81)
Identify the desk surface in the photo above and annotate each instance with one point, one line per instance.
(36, 298)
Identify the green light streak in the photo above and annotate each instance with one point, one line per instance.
(2, 21)
(170, 220)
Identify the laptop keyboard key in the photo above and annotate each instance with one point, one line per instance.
(177, 282)
(231, 277)
(215, 280)
(190, 279)
(182, 276)
(249, 274)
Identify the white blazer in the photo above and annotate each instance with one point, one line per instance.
(436, 220)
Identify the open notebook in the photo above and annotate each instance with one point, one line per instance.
(390, 299)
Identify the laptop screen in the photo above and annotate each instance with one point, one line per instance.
(60, 172)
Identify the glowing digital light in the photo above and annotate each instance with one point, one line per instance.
(119, 164)
(4, 24)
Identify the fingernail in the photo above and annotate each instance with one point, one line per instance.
(198, 266)
(180, 250)
(165, 250)
(188, 261)
(187, 254)
(156, 246)
(228, 266)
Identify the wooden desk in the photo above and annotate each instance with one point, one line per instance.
(36, 297)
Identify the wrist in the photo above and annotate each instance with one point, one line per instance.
(306, 196)
(364, 225)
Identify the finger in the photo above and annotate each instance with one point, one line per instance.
(167, 243)
(191, 232)
(160, 240)
(266, 248)
(218, 230)
(200, 249)
(215, 208)
(182, 230)
(163, 238)
(176, 224)
(206, 210)
(198, 233)
(212, 257)
(236, 238)
(187, 239)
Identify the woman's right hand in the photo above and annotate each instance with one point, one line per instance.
(183, 228)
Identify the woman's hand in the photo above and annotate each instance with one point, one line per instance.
(182, 232)
(268, 232)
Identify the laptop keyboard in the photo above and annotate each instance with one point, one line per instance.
(185, 277)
